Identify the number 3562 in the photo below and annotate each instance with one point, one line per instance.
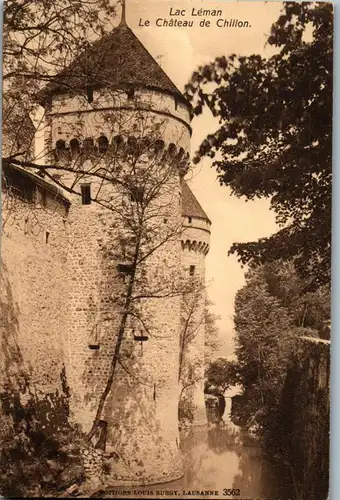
(231, 492)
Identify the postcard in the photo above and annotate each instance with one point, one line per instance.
(165, 249)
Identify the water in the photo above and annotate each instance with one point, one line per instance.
(226, 460)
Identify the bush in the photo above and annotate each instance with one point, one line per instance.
(40, 448)
(185, 413)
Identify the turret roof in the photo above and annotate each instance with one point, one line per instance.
(190, 205)
(116, 60)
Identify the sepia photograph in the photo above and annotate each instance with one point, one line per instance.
(165, 275)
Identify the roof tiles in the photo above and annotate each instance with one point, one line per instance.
(117, 59)
(190, 205)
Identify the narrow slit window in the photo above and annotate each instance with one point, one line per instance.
(86, 194)
(130, 94)
(125, 268)
(136, 194)
(192, 271)
(47, 235)
(89, 92)
(26, 227)
(190, 220)
(43, 198)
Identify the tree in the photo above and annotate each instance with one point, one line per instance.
(192, 336)
(212, 339)
(135, 185)
(275, 135)
(198, 325)
(136, 179)
(220, 375)
(143, 184)
(192, 320)
(40, 41)
(271, 313)
(40, 448)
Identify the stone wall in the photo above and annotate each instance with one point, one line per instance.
(114, 114)
(63, 294)
(305, 419)
(195, 245)
(32, 288)
(141, 409)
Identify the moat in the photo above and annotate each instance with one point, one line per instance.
(221, 462)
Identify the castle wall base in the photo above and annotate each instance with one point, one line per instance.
(157, 473)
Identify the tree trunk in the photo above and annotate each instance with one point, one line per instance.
(120, 338)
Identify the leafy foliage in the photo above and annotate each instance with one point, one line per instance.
(274, 139)
(212, 339)
(193, 315)
(40, 448)
(271, 311)
(39, 41)
(220, 375)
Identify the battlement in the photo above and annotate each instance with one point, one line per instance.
(149, 122)
(120, 146)
(196, 235)
(196, 224)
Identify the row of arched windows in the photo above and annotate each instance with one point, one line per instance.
(130, 145)
(87, 144)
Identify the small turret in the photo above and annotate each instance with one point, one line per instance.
(196, 234)
(195, 246)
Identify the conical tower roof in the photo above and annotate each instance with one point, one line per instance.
(118, 59)
(190, 205)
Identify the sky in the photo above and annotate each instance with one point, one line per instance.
(180, 51)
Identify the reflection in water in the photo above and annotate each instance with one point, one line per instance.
(224, 456)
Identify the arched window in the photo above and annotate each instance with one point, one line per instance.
(75, 147)
(132, 145)
(172, 149)
(180, 153)
(159, 145)
(117, 142)
(88, 144)
(103, 144)
(60, 145)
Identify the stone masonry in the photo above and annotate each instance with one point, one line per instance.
(61, 288)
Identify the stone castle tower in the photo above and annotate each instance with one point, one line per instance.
(102, 104)
(195, 246)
